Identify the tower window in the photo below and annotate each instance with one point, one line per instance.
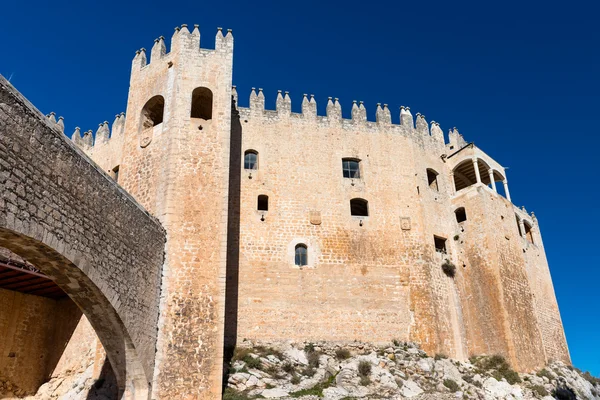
(202, 103)
(432, 179)
(351, 168)
(114, 173)
(153, 111)
(250, 159)
(528, 232)
(440, 244)
(359, 207)
(461, 215)
(518, 225)
(301, 255)
(263, 203)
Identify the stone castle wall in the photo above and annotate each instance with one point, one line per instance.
(373, 278)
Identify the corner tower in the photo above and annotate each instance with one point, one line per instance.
(176, 163)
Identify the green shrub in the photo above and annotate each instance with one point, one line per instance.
(309, 348)
(590, 378)
(288, 367)
(365, 381)
(240, 353)
(440, 357)
(452, 385)
(252, 362)
(449, 268)
(545, 373)
(396, 342)
(468, 378)
(364, 368)
(342, 354)
(232, 394)
(539, 390)
(497, 366)
(313, 359)
(316, 390)
(295, 379)
(264, 351)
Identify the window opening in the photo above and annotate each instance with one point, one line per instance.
(250, 159)
(528, 232)
(432, 180)
(153, 111)
(202, 103)
(351, 168)
(461, 215)
(301, 255)
(114, 173)
(359, 207)
(519, 225)
(440, 244)
(263, 203)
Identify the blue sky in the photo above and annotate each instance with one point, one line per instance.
(520, 79)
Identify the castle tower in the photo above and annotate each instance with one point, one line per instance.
(175, 163)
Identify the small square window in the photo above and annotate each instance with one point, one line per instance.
(351, 168)
(440, 244)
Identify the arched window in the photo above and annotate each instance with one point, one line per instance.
(359, 207)
(351, 168)
(153, 111)
(251, 159)
(432, 179)
(461, 214)
(202, 103)
(301, 255)
(528, 232)
(263, 203)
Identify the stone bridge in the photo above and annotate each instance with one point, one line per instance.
(60, 212)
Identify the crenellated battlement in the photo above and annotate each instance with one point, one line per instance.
(182, 42)
(103, 135)
(416, 127)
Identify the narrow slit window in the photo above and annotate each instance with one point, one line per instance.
(263, 203)
(250, 160)
(359, 207)
(301, 255)
(351, 168)
(440, 244)
(461, 215)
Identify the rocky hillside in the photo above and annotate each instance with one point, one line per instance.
(397, 371)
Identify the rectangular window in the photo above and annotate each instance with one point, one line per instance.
(114, 173)
(351, 169)
(440, 244)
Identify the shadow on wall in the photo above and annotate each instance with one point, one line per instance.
(105, 386)
(233, 237)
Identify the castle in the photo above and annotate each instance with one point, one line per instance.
(296, 226)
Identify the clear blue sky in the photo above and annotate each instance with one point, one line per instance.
(520, 79)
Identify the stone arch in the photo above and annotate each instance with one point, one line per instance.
(202, 103)
(153, 112)
(90, 299)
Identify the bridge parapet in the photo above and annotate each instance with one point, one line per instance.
(62, 213)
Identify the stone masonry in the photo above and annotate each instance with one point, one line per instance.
(243, 192)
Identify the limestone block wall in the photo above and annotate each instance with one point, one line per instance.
(179, 170)
(63, 214)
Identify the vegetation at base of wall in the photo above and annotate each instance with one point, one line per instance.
(451, 385)
(365, 381)
(590, 378)
(288, 367)
(440, 356)
(449, 268)
(364, 368)
(545, 373)
(496, 366)
(396, 342)
(232, 394)
(316, 390)
(342, 354)
(539, 390)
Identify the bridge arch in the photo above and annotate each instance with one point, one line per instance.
(62, 213)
